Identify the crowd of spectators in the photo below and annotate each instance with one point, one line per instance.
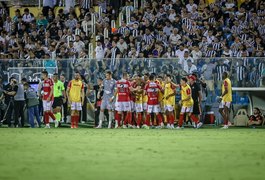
(162, 36)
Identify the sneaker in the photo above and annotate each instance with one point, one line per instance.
(56, 124)
(99, 127)
(138, 127)
(195, 125)
(199, 125)
(130, 126)
(124, 127)
(168, 126)
(109, 126)
(116, 126)
(158, 127)
(225, 127)
(134, 127)
(172, 126)
(47, 126)
(72, 127)
(83, 122)
(178, 128)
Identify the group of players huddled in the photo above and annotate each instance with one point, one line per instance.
(137, 102)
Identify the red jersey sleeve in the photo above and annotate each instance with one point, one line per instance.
(188, 91)
(70, 84)
(51, 82)
(225, 83)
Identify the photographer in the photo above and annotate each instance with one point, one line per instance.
(9, 92)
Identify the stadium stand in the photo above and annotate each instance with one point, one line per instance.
(161, 36)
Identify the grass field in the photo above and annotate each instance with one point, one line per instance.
(132, 154)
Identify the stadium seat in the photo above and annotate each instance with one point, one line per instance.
(241, 118)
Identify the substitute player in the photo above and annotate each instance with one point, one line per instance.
(226, 98)
(47, 98)
(169, 101)
(186, 102)
(59, 98)
(152, 90)
(75, 95)
(123, 101)
(108, 92)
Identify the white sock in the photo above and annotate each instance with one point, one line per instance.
(101, 117)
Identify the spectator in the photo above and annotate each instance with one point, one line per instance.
(190, 68)
(27, 17)
(256, 118)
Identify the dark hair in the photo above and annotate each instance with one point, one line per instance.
(151, 77)
(45, 72)
(11, 78)
(24, 79)
(109, 72)
(168, 75)
(184, 79)
(225, 74)
(257, 109)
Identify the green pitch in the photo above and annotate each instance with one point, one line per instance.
(132, 154)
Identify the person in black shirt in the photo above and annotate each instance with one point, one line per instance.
(98, 93)
(196, 96)
(65, 102)
(10, 91)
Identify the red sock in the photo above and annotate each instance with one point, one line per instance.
(172, 119)
(139, 119)
(194, 118)
(159, 118)
(129, 118)
(168, 119)
(147, 121)
(181, 118)
(46, 118)
(51, 115)
(225, 121)
(76, 121)
(118, 118)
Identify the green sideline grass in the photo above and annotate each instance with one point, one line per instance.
(132, 154)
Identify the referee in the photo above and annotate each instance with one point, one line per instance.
(59, 98)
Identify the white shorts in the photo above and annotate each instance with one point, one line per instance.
(123, 106)
(76, 106)
(168, 108)
(145, 106)
(132, 106)
(187, 109)
(223, 104)
(47, 106)
(153, 108)
(139, 108)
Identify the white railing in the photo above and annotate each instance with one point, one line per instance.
(128, 14)
(120, 18)
(90, 51)
(93, 23)
(106, 33)
(135, 4)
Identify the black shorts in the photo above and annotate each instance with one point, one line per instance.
(58, 102)
(196, 109)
